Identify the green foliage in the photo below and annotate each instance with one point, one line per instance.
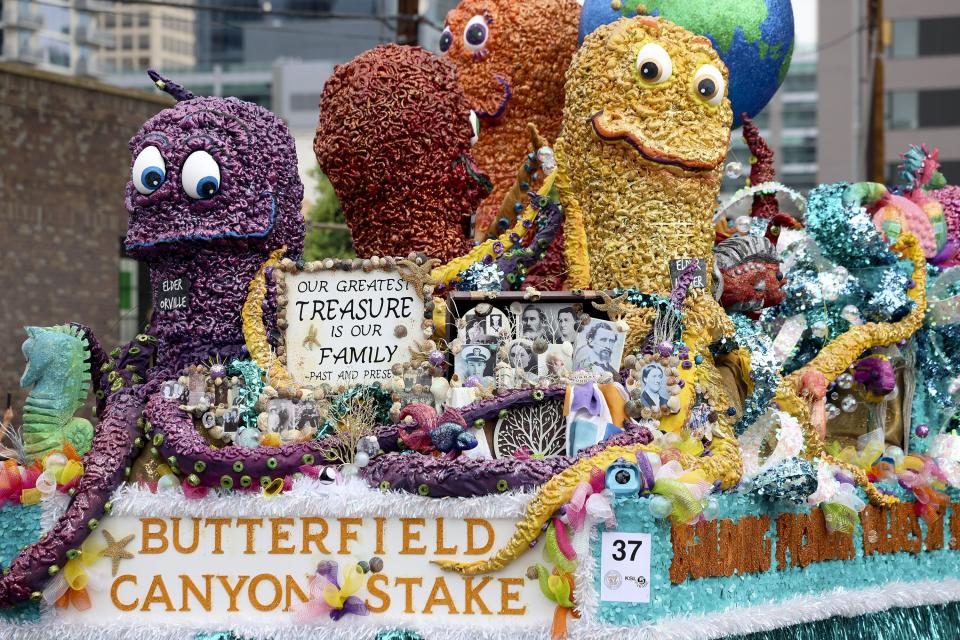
(323, 241)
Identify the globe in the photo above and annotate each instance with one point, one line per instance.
(753, 37)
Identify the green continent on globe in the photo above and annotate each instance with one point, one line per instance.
(717, 18)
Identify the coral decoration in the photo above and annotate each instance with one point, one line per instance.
(749, 275)
(949, 199)
(515, 76)
(763, 170)
(394, 138)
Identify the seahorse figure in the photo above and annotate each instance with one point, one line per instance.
(59, 371)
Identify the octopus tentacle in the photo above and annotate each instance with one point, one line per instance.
(837, 356)
(554, 494)
(105, 467)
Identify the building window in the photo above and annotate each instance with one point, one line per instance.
(56, 18)
(923, 109)
(56, 52)
(800, 82)
(143, 41)
(109, 21)
(799, 115)
(144, 63)
(126, 43)
(928, 37)
(143, 19)
(127, 19)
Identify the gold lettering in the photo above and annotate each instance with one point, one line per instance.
(441, 549)
(346, 535)
(472, 548)
(160, 535)
(279, 535)
(472, 594)
(255, 599)
(440, 595)
(292, 587)
(234, 591)
(410, 536)
(115, 596)
(408, 584)
(176, 536)
(374, 586)
(507, 596)
(205, 599)
(250, 523)
(315, 538)
(218, 525)
(380, 525)
(157, 593)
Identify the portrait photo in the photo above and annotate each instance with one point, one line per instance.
(475, 360)
(520, 355)
(599, 348)
(483, 329)
(653, 385)
(556, 362)
(281, 414)
(567, 324)
(535, 323)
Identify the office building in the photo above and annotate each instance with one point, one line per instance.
(141, 36)
(58, 35)
(921, 80)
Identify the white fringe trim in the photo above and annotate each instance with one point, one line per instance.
(346, 629)
(310, 497)
(737, 621)
(51, 508)
(777, 615)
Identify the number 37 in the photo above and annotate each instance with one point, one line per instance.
(621, 549)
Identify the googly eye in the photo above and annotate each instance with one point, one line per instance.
(446, 39)
(200, 176)
(475, 33)
(654, 64)
(709, 84)
(475, 125)
(149, 171)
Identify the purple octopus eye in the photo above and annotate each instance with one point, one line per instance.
(149, 171)
(200, 176)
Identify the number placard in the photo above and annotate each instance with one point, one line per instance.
(625, 567)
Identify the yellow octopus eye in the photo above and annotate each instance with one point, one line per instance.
(709, 85)
(654, 64)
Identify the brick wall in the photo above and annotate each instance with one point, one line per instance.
(63, 167)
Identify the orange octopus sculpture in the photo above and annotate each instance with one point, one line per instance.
(513, 57)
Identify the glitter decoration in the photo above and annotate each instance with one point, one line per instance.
(792, 480)
(844, 232)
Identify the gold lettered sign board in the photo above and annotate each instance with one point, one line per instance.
(347, 322)
(235, 571)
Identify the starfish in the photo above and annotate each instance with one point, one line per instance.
(614, 306)
(418, 275)
(116, 551)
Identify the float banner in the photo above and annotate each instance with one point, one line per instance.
(257, 570)
(349, 326)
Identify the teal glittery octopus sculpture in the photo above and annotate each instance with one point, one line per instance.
(58, 369)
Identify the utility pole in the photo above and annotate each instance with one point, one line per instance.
(877, 41)
(408, 23)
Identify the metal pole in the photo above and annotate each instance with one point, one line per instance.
(876, 137)
(408, 13)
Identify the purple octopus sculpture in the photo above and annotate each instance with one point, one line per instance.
(214, 190)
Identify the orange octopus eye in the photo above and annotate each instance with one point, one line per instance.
(446, 39)
(475, 33)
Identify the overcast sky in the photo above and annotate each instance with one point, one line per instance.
(805, 13)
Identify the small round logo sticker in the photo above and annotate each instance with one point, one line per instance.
(613, 579)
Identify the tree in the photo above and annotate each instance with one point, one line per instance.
(327, 233)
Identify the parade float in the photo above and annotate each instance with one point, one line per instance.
(729, 420)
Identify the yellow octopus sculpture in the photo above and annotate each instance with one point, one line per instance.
(645, 133)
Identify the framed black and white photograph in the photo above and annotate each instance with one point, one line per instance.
(476, 360)
(599, 348)
(653, 385)
(521, 357)
(535, 322)
(484, 328)
(556, 362)
(281, 415)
